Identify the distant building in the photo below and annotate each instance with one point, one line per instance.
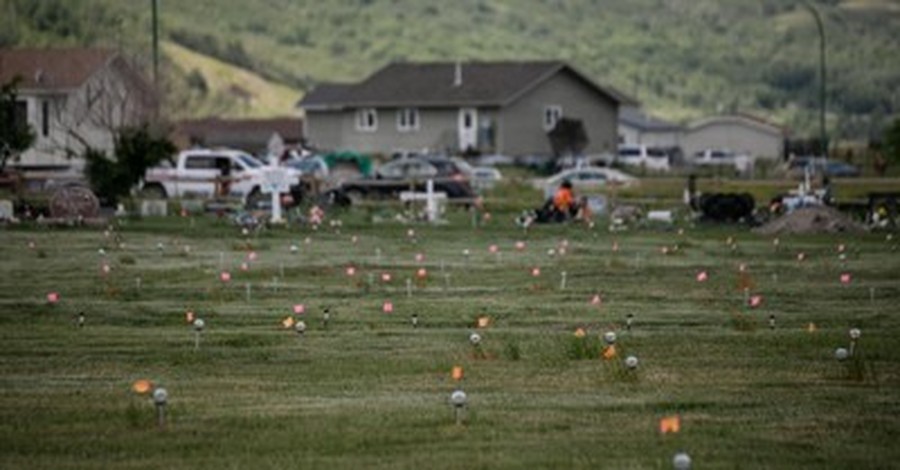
(74, 98)
(639, 128)
(255, 136)
(741, 133)
(488, 107)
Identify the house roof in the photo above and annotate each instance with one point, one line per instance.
(634, 117)
(248, 134)
(52, 69)
(434, 84)
(742, 119)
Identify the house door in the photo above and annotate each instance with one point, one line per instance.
(468, 129)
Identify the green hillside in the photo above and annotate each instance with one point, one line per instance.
(681, 58)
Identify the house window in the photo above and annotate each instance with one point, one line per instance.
(367, 120)
(45, 118)
(552, 115)
(407, 119)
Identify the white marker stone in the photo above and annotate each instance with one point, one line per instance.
(841, 354)
(631, 362)
(475, 339)
(458, 398)
(681, 461)
(609, 337)
(160, 396)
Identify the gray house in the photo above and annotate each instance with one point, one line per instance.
(639, 128)
(492, 107)
(741, 133)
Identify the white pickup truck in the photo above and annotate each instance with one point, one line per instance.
(210, 173)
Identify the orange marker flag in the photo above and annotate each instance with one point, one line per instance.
(484, 322)
(141, 386)
(288, 322)
(669, 424)
(457, 373)
(609, 352)
(811, 327)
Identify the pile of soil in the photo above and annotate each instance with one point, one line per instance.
(815, 219)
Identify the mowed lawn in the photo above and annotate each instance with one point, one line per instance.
(372, 391)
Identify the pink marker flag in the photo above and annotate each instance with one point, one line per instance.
(493, 249)
(535, 272)
(299, 309)
(225, 276)
(385, 277)
(422, 273)
(53, 297)
(845, 278)
(351, 271)
(252, 256)
(596, 300)
(420, 257)
(702, 276)
(520, 245)
(388, 307)
(755, 301)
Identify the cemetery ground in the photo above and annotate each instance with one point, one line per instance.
(372, 391)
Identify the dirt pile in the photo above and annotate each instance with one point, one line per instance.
(817, 219)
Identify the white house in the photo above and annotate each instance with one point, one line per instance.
(74, 98)
(741, 133)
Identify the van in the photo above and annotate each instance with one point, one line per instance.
(650, 158)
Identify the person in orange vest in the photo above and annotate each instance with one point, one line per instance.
(564, 204)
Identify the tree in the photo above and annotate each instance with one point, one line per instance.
(136, 150)
(16, 135)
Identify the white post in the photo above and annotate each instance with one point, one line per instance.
(430, 202)
(276, 208)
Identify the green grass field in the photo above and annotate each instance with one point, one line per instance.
(371, 391)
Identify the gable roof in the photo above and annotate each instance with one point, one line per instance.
(633, 117)
(433, 85)
(52, 69)
(739, 119)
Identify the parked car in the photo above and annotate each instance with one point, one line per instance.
(495, 160)
(406, 168)
(650, 158)
(210, 173)
(406, 174)
(714, 157)
(484, 177)
(796, 168)
(313, 166)
(586, 179)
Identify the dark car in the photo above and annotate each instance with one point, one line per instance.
(821, 166)
(411, 173)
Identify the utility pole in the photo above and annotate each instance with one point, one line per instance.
(822, 80)
(155, 19)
